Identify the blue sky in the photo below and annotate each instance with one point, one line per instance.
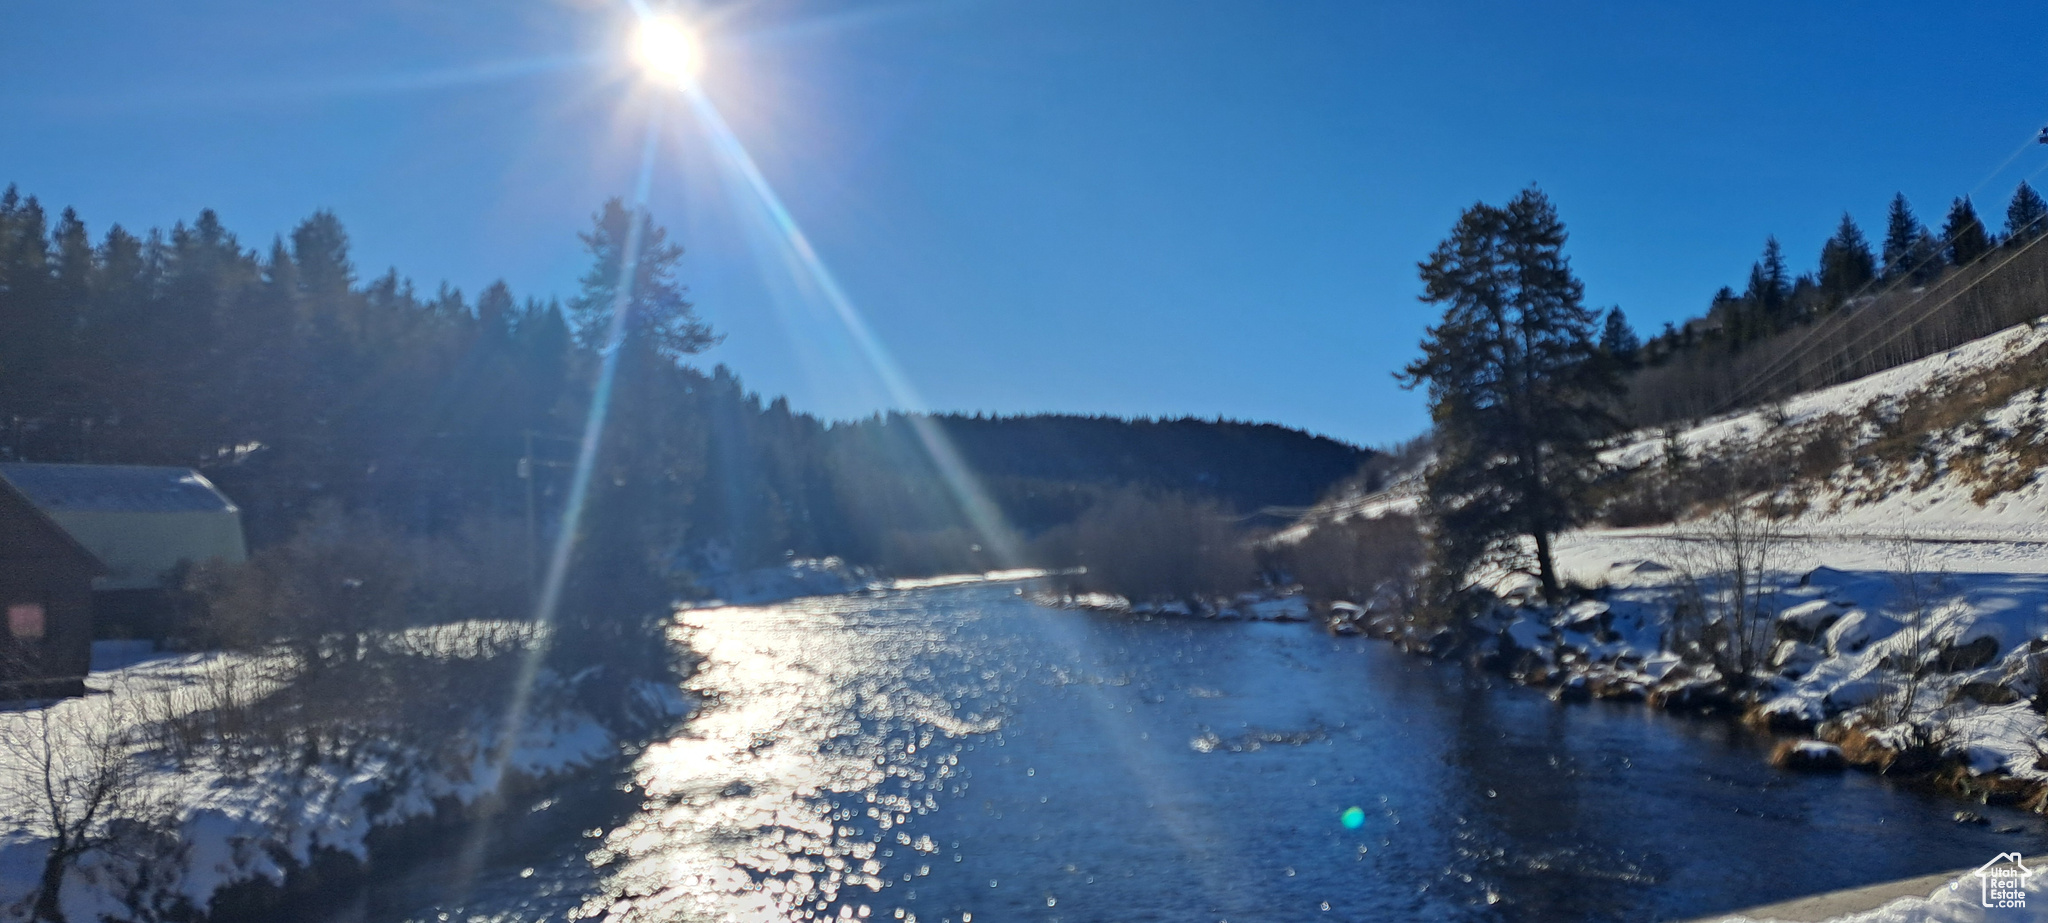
(1138, 207)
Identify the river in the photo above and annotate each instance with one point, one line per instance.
(962, 755)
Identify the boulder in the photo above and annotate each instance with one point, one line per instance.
(1986, 693)
(1960, 657)
(1808, 756)
(1573, 689)
(1588, 616)
(1793, 658)
(1806, 621)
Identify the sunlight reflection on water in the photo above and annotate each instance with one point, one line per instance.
(960, 755)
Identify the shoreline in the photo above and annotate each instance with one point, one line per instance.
(1828, 905)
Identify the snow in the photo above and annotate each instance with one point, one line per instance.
(790, 580)
(1871, 575)
(1959, 901)
(240, 823)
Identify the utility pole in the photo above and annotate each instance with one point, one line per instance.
(528, 469)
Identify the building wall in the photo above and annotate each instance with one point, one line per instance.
(39, 568)
(138, 548)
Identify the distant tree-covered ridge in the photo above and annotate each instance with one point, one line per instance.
(295, 380)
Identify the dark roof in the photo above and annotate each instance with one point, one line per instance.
(115, 489)
(56, 534)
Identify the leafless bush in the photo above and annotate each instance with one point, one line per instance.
(1919, 590)
(342, 590)
(77, 784)
(1356, 559)
(1151, 546)
(1728, 601)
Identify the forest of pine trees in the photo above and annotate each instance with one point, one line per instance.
(1864, 308)
(293, 380)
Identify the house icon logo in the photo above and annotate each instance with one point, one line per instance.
(2004, 881)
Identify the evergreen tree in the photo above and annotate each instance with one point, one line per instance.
(1964, 234)
(1903, 240)
(658, 317)
(1846, 263)
(1618, 341)
(1517, 389)
(2026, 217)
(494, 312)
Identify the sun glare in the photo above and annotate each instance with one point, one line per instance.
(668, 49)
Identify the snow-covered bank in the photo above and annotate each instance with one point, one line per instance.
(1245, 607)
(1865, 565)
(803, 577)
(189, 827)
(1952, 897)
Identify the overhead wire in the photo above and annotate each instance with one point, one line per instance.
(1762, 381)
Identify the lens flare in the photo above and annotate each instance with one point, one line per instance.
(1353, 818)
(669, 50)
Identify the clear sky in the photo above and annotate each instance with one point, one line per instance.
(1138, 207)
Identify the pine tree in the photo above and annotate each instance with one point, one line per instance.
(494, 312)
(1764, 309)
(1618, 341)
(1903, 239)
(1517, 388)
(1846, 263)
(658, 317)
(1964, 235)
(2026, 217)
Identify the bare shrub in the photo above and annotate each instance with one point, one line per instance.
(1728, 600)
(1154, 546)
(76, 784)
(325, 595)
(1919, 590)
(1356, 559)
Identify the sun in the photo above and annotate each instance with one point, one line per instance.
(669, 50)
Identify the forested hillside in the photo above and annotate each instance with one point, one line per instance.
(292, 380)
(1863, 309)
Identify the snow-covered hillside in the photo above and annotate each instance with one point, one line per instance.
(1892, 593)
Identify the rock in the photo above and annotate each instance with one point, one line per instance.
(1793, 658)
(1587, 616)
(1969, 817)
(1573, 689)
(1691, 695)
(1971, 656)
(1778, 720)
(1986, 693)
(1808, 756)
(1849, 633)
(1805, 622)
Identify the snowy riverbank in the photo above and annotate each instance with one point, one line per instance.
(189, 827)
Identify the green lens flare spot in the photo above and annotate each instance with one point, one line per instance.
(1353, 818)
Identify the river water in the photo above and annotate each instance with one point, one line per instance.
(961, 755)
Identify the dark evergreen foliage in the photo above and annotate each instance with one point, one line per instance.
(291, 381)
(1618, 341)
(2025, 217)
(1964, 236)
(1903, 239)
(1847, 266)
(1518, 389)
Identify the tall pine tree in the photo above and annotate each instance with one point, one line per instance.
(1846, 263)
(1619, 342)
(1518, 389)
(658, 317)
(2026, 217)
(1964, 235)
(1904, 238)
